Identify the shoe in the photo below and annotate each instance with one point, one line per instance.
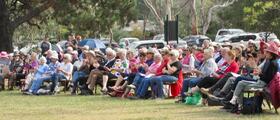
(112, 87)
(73, 93)
(133, 97)
(227, 107)
(27, 93)
(112, 94)
(104, 91)
(204, 91)
(131, 86)
(180, 101)
(214, 98)
(234, 109)
(23, 90)
(188, 94)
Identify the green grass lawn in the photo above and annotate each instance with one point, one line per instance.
(15, 106)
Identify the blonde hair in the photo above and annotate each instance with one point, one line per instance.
(68, 57)
(175, 53)
(232, 54)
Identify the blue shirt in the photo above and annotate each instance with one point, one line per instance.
(41, 70)
(53, 67)
(149, 62)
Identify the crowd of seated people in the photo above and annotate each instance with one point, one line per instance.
(147, 72)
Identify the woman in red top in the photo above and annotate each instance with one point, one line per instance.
(229, 66)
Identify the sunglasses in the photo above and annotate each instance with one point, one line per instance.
(171, 54)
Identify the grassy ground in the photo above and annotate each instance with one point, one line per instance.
(14, 106)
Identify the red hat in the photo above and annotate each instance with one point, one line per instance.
(273, 48)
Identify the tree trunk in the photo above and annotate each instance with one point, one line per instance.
(144, 27)
(111, 37)
(6, 39)
(194, 18)
(203, 16)
(6, 31)
(168, 9)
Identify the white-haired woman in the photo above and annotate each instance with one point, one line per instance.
(208, 67)
(119, 70)
(40, 72)
(64, 70)
(103, 69)
(170, 74)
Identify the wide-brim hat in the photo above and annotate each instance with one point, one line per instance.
(273, 48)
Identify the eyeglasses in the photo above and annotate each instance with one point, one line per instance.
(171, 54)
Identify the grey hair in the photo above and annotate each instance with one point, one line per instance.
(43, 59)
(110, 50)
(175, 53)
(158, 55)
(209, 51)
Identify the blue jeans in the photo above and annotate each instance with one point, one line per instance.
(76, 76)
(189, 82)
(137, 79)
(157, 84)
(57, 77)
(36, 84)
(143, 87)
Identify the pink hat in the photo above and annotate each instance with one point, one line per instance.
(4, 54)
(273, 48)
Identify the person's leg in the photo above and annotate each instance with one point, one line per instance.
(76, 76)
(91, 81)
(220, 83)
(90, 77)
(19, 76)
(105, 81)
(227, 87)
(146, 82)
(36, 84)
(118, 82)
(185, 88)
(241, 78)
(1, 82)
(136, 79)
(153, 83)
(239, 89)
(160, 81)
(11, 81)
(205, 83)
(55, 80)
(139, 87)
